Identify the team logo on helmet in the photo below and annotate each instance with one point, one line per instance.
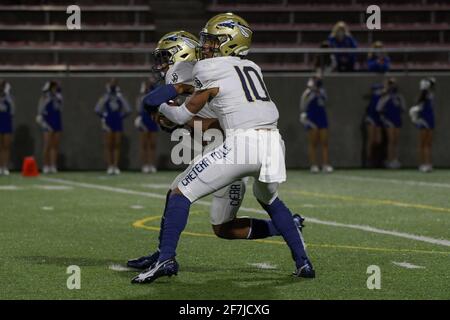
(189, 42)
(231, 24)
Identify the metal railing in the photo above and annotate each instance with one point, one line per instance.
(306, 53)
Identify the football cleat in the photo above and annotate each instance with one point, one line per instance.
(167, 268)
(298, 219)
(305, 271)
(144, 262)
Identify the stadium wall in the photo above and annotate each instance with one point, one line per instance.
(82, 139)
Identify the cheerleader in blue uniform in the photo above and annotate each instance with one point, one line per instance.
(391, 107)
(373, 122)
(314, 117)
(112, 108)
(6, 125)
(147, 127)
(422, 116)
(49, 119)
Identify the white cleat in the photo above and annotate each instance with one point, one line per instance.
(426, 168)
(327, 169)
(314, 169)
(145, 169)
(152, 169)
(116, 171)
(53, 169)
(110, 170)
(5, 172)
(46, 170)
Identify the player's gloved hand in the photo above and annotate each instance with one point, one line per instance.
(150, 108)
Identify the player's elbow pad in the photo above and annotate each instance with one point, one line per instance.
(178, 115)
(158, 96)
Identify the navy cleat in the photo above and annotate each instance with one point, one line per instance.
(298, 219)
(158, 269)
(305, 271)
(144, 262)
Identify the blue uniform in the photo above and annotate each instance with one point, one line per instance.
(313, 104)
(113, 108)
(147, 121)
(50, 106)
(372, 116)
(374, 65)
(6, 114)
(345, 61)
(391, 106)
(426, 113)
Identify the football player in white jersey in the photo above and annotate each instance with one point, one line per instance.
(175, 58)
(235, 91)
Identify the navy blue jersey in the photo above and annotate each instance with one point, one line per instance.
(345, 61)
(375, 64)
(6, 113)
(50, 107)
(113, 108)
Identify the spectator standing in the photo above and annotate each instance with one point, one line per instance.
(341, 38)
(314, 117)
(391, 107)
(112, 108)
(147, 127)
(422, 116)
(6, 126)
(49, 119)
(378, 61)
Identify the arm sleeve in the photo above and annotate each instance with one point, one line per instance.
(160, 95)
(178, 115)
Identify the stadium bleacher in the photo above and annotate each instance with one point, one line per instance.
(121, 33)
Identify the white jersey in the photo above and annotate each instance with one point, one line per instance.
(181, 72)
(243, 101)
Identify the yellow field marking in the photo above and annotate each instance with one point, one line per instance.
(142, 224)
(371, 201)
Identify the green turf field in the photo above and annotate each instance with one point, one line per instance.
(356, 219)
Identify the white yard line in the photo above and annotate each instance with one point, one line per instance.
(413, 183)
(263, 265)
(120, 268)
(407, 265)
(9, 188)
(53, 188)
(156, 186)
(442, 242)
